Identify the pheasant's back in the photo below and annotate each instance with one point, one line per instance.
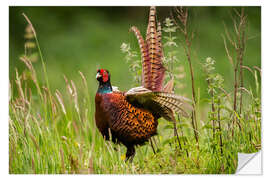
(128, 124)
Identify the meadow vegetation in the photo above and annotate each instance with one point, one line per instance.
(52, 128)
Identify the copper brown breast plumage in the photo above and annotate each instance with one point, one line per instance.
(128, 124)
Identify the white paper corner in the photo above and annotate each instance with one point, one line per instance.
(249, 164)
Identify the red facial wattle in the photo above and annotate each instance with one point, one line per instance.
(104, 74)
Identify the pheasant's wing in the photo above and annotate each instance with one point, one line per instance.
(159, 102)
(169, 89)
(153, 70)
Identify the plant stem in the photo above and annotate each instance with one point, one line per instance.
(213, 110)
(182, 15)
(234, 98)
(241, 42)
(219, 127)
(182, 136)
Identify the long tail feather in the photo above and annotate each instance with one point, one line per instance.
(159, 75)
(152, 54)
(169, 86)
(146, 66)
(159, 45)
(153, 40)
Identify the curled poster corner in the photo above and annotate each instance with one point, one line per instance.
(249, 163)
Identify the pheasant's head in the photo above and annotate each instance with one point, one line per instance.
(103, 75)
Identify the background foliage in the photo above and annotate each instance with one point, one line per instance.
(84, 38)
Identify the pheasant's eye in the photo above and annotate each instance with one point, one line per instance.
(99, 75)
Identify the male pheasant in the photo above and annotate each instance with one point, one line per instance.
(131, 117)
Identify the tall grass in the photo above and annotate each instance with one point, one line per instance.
(54, 131)
(183, 18)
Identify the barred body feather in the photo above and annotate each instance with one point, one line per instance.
(128, 124)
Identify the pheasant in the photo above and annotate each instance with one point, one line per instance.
(131, 117)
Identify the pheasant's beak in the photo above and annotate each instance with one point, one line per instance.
(98, 76)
